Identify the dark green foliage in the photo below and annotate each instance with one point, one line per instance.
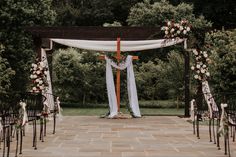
(6, 73)
(79, 76)
(92, 12)
(223, 67)
(14, 16)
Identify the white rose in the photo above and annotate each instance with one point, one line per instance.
(45, 72)
(31, 76)
(172, 30)
(200, 63)
(199, 77)
(41, 87)
(34, 65)
(163, 28)
(198, 71)
(176, 25)
(181, 28)
(42, 64)
(188, 29)
(205, 55)
(34, 88)
(207, 74)
(185, 32)
(40, 68)
(37, 80)
(35, 76)
(38, 72)
(203, 71)
(192, 67)
(198, 66)
(40, 82)
(204, 66)
(178, 32)
(166, 32)
(196, 76)
(195, 52)
(168, 23)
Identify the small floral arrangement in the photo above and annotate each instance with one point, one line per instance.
(39, 76)
(174, 30)
(201, 65)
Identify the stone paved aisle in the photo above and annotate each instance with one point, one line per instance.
(90, 136)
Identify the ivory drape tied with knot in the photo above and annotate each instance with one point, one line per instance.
(131, 86)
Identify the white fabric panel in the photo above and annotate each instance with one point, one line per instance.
(192, 111)
(111, 90)
(209, 98)
(49, 96)
(131, 86)
(223, 115)
(25, 116)
(132, 91)
(110, 46)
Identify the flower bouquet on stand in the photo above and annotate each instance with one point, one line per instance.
(39, 77)
(200, 66)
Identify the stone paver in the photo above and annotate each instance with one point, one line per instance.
(90, 136)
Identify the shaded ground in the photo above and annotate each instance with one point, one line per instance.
(90, 136)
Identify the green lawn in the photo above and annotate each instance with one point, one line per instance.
(101, 111)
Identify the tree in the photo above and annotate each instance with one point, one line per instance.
(156, 14)
(5, 73)
(92, 12)
(14, 16)
(221, 13)
(85, 81)
(223, 69)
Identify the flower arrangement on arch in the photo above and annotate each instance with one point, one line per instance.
(174, 30)
(39, 76)
(200, 66)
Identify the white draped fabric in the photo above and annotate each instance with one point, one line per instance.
(192, 111)
(25, 116)
(223, 116)
(131, 86)
(111, 46)
(49, 96)
(209, 98)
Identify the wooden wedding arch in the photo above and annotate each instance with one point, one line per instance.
(42, 36)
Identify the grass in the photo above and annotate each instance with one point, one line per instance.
(142, 104)
(101, 111)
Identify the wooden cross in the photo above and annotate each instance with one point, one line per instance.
(118, 58)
